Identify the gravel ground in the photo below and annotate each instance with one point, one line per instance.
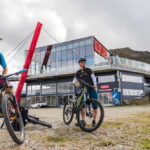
(71, 137)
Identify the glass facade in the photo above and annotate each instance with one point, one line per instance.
(62, 56)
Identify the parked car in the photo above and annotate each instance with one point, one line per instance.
(38, 105)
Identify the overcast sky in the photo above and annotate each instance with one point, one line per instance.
(115, 23)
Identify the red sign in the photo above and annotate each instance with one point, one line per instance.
(105, 86)
(100, 49)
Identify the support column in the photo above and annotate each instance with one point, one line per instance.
(56, 93)
(26, 105)
(41, 92)
(28, 60)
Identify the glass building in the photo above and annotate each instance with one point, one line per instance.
(53, 67)
(64, 56)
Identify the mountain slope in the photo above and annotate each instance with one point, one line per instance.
(143, 56)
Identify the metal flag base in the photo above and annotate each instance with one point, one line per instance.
(30, 119)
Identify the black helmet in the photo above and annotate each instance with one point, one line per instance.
(81, 60)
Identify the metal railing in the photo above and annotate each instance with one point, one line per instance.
(118, 63)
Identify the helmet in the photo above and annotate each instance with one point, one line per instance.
(81, 60)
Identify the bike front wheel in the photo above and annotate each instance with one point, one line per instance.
(13, 119)
(68, 111)
(90, 115)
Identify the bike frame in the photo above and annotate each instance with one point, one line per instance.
(79, 98)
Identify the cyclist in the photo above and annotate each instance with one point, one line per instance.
(87, 75)
(3, 64)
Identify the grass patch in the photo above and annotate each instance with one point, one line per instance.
(108, 143)
(145, 142)
(58, 139)
(112, 124)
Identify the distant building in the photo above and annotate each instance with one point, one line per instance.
(53, 68)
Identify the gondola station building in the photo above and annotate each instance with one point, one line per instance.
(53, 68)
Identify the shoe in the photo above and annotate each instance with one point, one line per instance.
(93, 123)
(83, 123)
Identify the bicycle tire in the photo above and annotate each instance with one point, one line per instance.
(7, 120)
(99, 122)
(64, 112)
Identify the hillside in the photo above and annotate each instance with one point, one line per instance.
(143, 56)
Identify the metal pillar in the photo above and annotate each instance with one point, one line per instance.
(41, 92)
(56, 93)
(28, 60)
(26, 95)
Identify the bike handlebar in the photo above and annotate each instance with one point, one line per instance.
(85, 83)
(17, 73)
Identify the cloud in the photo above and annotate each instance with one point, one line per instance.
(115, 23)
(19, 18)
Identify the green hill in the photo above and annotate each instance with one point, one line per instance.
(143, 56)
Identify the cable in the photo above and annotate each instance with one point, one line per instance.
(27, 38)
(19, 44)
(72, 53)
(50, 35)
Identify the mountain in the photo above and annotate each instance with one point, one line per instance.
(143, 56)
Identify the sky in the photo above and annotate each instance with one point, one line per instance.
(115, 23)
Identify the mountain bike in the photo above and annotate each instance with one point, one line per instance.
(10, 111)
(83, 107)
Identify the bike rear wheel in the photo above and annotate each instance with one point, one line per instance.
(68, 112)
(90, 115)
(13, 119)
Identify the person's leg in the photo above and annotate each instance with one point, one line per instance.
(94, 95)
(95, 113)
(83, 113)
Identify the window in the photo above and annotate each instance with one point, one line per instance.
(64, 55)
(58, 48)
(70, 54)
(51, 100)
(64, 63)
(70, 63)
(52, 56)
(53, 65)
(89, 41)
(75, 44)
(29, 90)
(64, 47)
(71, 87)
(33, 89)
(69, 46)
(90, 60)
(76, 52)
(58, 64)
(82, 51)
(49, 88)
(58, 56)
(82, 43)
(89, 50)
(65, 87)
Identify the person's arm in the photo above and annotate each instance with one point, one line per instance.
(5, 69)
(75, 81)
(94, 79)
(4, 65)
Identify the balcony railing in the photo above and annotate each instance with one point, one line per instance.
(118, 63)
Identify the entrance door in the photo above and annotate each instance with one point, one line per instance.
(105, 98)
(63, 98)
(51, 100)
